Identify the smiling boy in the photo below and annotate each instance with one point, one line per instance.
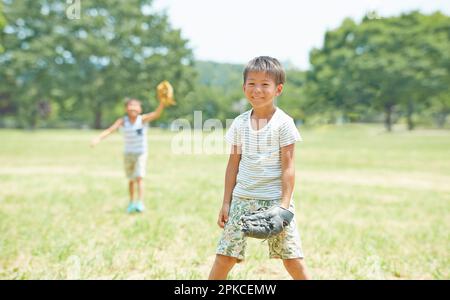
(260, 171)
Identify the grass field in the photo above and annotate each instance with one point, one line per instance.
(370, 205)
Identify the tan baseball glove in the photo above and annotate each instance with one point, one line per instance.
(164, 92)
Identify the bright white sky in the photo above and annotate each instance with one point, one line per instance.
(235, 31)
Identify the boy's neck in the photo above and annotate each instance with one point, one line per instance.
(132, 118)
(264, 112)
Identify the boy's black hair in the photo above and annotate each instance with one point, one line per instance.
(268, 65)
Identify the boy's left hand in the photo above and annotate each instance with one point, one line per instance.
(164, 91)
(284, 205)
(263, 224)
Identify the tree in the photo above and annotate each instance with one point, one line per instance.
(2, 25)
(383, 63)
(87, 66)
(218, 89)
(294, 99)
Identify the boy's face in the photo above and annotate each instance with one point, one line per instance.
(133, 108)
(261, 89)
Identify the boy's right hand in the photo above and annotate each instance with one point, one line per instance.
(95, 141)
(223, 215)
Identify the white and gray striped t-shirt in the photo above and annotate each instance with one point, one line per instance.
(135, 135)
(259, 174)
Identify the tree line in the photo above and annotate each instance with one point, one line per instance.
(62, 72)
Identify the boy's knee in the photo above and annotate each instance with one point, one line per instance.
(135, 180)
(225, 261)
(294, 262)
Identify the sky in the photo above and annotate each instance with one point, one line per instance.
(235, 31)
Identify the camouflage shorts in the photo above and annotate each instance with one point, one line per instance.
(135, 165)
(286, 245)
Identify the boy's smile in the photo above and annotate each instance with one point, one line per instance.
(261, 89)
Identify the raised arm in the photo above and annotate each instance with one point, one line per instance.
(106, 132)
(287, 174)
(230, 182)
(151, 116)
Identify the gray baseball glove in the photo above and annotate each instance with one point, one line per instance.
(265, 223)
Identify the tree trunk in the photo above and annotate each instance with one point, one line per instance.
(33, 122)
(410, 115)
(98, 117)
(388, 117)
(33, 118)
(441, 119)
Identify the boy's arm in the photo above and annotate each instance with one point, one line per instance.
(154, 114)
(230, 182)
(231, 173)
(108, 131)
(287, 174)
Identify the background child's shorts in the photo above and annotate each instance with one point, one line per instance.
(135, 165)
(286, 245)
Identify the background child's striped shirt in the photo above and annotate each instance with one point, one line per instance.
(135, 135)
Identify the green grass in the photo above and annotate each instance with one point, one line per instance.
(369, 205)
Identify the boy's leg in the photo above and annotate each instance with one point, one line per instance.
(296, 267)
(131, 189)
(221, 267)
(140, 188)
(231, 247)
(129, 163)
(140, 204)
(139, 173)
(131, 205)
(287, 246)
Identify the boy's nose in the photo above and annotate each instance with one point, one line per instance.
(257, 90)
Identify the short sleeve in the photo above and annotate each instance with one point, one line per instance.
(289, 133)
(233, 136)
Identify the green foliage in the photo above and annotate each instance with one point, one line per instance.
(87, 66)
(2, 25)
(58, 72)
(293, 99)
(220, 75)
(383, 63)
(219, 89)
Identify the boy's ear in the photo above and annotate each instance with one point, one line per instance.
(279, 89)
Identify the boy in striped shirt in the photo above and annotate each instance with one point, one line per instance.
(135, 153)
(260, 171)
